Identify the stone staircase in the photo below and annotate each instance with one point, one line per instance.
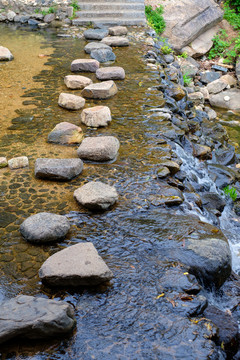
(110, 12)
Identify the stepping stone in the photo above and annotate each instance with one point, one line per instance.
(65, 133)
(99, 148)
(111, 73)
(35, 318)
(18, 162)
(88, 65)
(103, 55)
(58, 169)
(96, 116)
(5, 54)
(96, 46)
(115, 41)
(96, 196)
(77, 265)
(45, 227)
(118, 30)
(70, 101)
(95, 34)
(77, 81)
(103, 90)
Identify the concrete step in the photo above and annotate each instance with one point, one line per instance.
(103, 6)
(92, 14)
(110, 1)
(109, 21)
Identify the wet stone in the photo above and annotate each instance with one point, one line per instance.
(3, 162)
(221, 175)
(35, 318)
(179, 280)
(96, 196)
(77, 265)
(77, 81)
(103, 55)
(95, 34)
(115, 41)
(65, 133)
(96, 46)
(171, 165)
(162, 172)
(202, 152)
(85, 65)
(111, 73)
(211, 200)
(6, 218)
(58, 169)
(100, 148)
(70, 101)
(96, 116)
(45, 227)
(103, 90)
(118, 30)
(18, 162)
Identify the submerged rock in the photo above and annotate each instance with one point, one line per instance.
(35, 318)
(77, 265)
(99, 148)
(45, 227)
(65, 133)
(96, 116)
(58, 169)
(96, 196)
(5, 54)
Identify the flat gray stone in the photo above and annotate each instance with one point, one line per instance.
(65, 133)
(84, 65)
(95, 34)
(116, 41)
(99, 148)
(216, 86)
(70, 101)
(228, 99)
(76, 265)
(110, 73)
(208, 76)
(5, 54)
(96, 196)
(96, 46)
(77, 81)
(96, 116)
(103, 90)
(58, 169)
(45, 227)
(35, 318)
(118, 30)
(103, 55)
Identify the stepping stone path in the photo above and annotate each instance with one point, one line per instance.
(111, 73)
(77, 81)
(96, 46)
(77, 265)
(99, 148)
(115, 41)
(95, 34)
(87, 65)
(18, 162)
(35, 318)
(103, 55)
(96, 196)
(118, 30)
(70, 101)
(66, 133)
(45, 227)
(58, 169)
(96, 116)
(103, 90)
(5, 54)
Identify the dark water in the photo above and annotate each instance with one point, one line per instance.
(123, 320)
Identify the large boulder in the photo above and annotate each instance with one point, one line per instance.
(116, 41)
(76, 265)
(45, 227)
(96, 196)
(5, 54)
(58, 169)
(96, 116)
(70, 101)
(103, 90)
(228, 99)
(96, 46)
(77, 81)
(35, 318)
(187, 19)
(95, 34)
(65, 133)
(99, 148)
(85, 65)
(110, 73)
(103, 55)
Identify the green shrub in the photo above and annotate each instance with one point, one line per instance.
(235, 4)
(155, 18)
(220, 44)
(165, 49)
(231, 192)
(51, 10)
(187, 79)
(75, 7)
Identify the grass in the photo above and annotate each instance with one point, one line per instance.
(187, 79)
(230, 192)
(75, 7)
(155, 18)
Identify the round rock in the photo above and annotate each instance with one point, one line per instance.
(77, 81)
(96, 116)
(96, 196)
(96, 46)
(87, 65)
(103, 90)
(76, 265)
(99, 148)
(58, 169)
(5, 54)
(45, 227)
(111, 73)
(70, 101)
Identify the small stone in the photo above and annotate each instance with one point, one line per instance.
(96, 46)
(219, 68)
(103, 55)
(87, 65)
(95, 34)
(45, 227)
(66, 133)
(163, 172)
(5, 54)
(229, 79)
(196, 97)
(96, 116)
(18, 162)
(77, 81)
(202, 151)
(99, 148)
(211, 113)
(207, 77)
(118, 30)
(3, 162)
(103, 90)
(49, 18)
(77, 265)
(70, 101)
(11, 15)
(226, 98)
(96, 196)
(110, 73)
(205, 92)
(171, 165)
(58, 169)
(115, 41)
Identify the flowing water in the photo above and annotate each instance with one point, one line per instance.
(118, 321)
